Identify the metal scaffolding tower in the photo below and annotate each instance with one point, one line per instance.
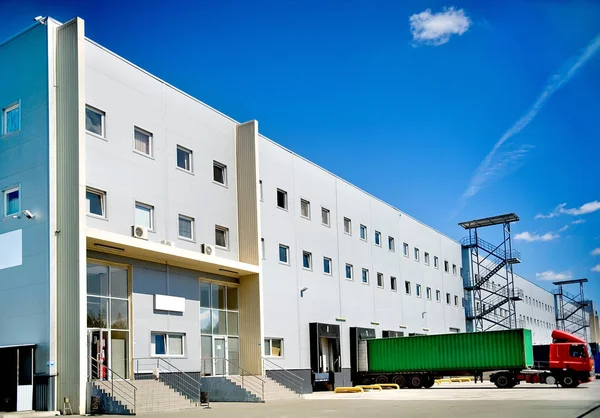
(491, 303)
(570, 309)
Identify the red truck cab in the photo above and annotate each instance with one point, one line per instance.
(571, 354)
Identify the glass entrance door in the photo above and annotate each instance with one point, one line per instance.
(98, 354)
(220, 356)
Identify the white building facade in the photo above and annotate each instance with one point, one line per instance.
(139, 223)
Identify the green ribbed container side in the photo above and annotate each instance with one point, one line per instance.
(493, 350)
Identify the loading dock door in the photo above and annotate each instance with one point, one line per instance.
(16, 378)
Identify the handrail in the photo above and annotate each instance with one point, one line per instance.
(112, 374)
(257, 388)
(297, 383)
(490, 248)
(173, 377)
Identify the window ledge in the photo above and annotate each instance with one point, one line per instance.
(223, 185)
(143, 154)
(96, 135)
(187, 239)
(283, 209)
(9, 134)
(284, 264)
(100, 217)
(218, 247)
(183, 170)
(327, 225)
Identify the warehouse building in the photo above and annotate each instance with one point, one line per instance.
(139, 223)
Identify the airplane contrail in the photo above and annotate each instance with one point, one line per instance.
(492, 166)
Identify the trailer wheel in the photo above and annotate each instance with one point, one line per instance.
(416, 381)
(504, 381)
(428, 382)
(399, 380)
(381, 379)
(568, 381)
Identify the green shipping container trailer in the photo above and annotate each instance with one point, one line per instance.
(475, 351)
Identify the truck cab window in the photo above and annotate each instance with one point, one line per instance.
(577, 351)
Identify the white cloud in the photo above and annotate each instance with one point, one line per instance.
(552, 276)
(564, 228)
(595, 251)
(437, 28)
(561, 209)
(526, 236)
(578, 221)
(596, 268)
(493, 165)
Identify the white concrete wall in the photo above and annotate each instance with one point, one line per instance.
(287, 315)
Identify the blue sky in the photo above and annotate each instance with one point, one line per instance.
(408, 113)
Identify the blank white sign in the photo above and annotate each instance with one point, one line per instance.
(11, 249)
(169, 303)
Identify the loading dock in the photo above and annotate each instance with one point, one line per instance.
(16, 377)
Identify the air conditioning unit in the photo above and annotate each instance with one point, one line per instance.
(140, 232)
(208, 249)
(167, 243)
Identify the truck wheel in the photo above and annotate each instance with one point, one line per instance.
(416, 381)
(428, 382)
(382, 379)
(400, 381)
(504, 381)
(568, 381)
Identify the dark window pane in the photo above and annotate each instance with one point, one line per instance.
(219, 320)
(97, 312)
(232, 298)
(218, 296)
(119, 286)
(93, 121)
(119, 314)
(159, 344)
(97, 280)
(94, 203)
(232, 323)
(205, 295)
(205, 321)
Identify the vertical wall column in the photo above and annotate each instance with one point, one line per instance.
(248, 201)
(70, 216)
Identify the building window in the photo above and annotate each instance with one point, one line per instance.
(428, 293)
(282, 200)
(418, 290)
(455, 300)
(284, 254)
(325, 217)
(12, 201)
(305, 208)
(306, 260)
(169, 345)
(327, 265)
(221, 236)
(363, 232)
(94, 121)
(11, 119)
(407, 287)
(262, 248)
(416, 254)
(448, 301)
(393, 284)
(461, 272)
(436, 262)
(378, 238)
(426, 258)
(454, 269)
(273, 347)
(220, 173)
(186, 227)
(446, 267)
(144, 215)
(348, 226)
(349, 272)
(142, 141)
(184, 158)
(96, 202)
(391, 244)
(380, 280)
(438, 295)
(365, 276)
(260, 185)
(405, 249)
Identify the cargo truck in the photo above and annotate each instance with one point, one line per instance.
(415, 362)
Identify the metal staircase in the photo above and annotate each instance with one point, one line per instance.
(571, 308)
(488, 276)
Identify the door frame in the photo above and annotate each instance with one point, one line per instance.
(107, 362)
(225, 356)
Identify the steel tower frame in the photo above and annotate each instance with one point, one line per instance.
(569, 308)
(489, 261)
